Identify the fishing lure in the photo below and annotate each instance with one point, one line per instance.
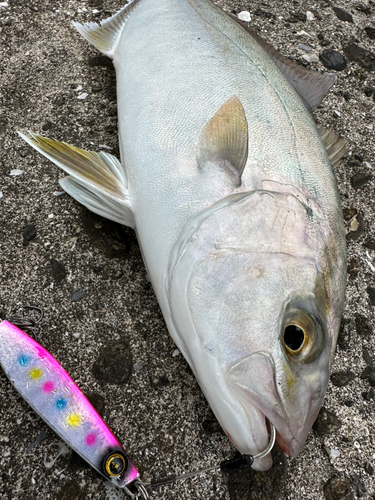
(53, 395)
(56, 398)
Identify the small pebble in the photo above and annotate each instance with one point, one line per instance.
(15, 172)
(343, 15)
(334, 453)
(332, 59)
(362, 326)
(356, 228)
(175, 353)
(311, 58)
(1, 195)
(342, 378)
(369, 469)
(359, 487)
(306, 48)
(310, 16)
(138, 366)
(264, 13)
(360, 179)
(82, 96)
(327, 423)
(78, 295)
(357, 445)
(47, 126)
(361, 56)
(371, 294)
(244, 16)
(303, 33)
(365, 432)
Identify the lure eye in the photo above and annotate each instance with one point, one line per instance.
(115, 465)
(294, 338)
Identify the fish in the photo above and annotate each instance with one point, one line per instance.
(229, 185)
(54, 396)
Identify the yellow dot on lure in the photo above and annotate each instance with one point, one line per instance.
(35, 373)
(74, 420)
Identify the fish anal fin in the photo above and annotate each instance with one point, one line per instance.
(224, 140)
(311, 85)
(106, 35)
(334, 144)
(97, 180)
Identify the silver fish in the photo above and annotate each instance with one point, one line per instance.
(229, 185)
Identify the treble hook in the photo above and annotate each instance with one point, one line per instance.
(26, 324)
(141, 490)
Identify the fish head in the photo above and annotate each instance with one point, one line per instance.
(254, 319)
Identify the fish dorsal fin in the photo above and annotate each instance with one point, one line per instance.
(105, 37)
(334, 144)
(311, 85)
(225, 138)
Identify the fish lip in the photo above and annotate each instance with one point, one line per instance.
(289, 444)
(279, 441)
(268, 404)
(293, 447)
(281, 444)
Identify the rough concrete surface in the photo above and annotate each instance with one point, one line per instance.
(87, 273)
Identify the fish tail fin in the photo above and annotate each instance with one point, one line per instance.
(106, 35)
(97, 180)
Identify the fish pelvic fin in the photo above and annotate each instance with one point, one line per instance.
(334, 144)
(97, 180)
(106, 35)
(224, 140)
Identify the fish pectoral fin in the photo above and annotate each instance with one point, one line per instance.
(311, 85)
(97, 180)
(224, 140)
(97, 202)
(105, 37)
(334, 144)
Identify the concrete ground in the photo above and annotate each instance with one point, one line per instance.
(102, 321)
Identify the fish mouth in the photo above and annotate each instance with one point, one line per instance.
(262, 403)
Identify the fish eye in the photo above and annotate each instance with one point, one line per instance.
(302, 336)
(115, 464)
(294, 338)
